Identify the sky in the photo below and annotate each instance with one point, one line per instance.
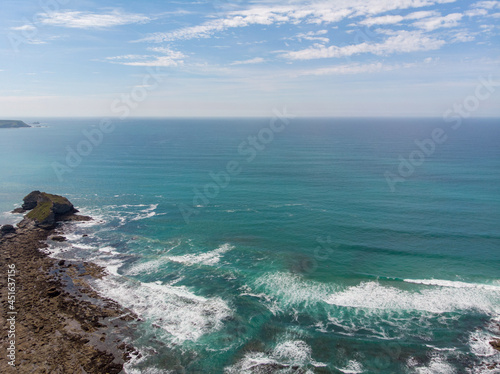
(199, 58)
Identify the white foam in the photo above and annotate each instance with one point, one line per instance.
(109, 250)
(146, 213)
(208, 258)
(479, 343)
(438, 365)
(146, 267)
(112, 265)
(290, 353)
(175, 309)
(453, 284)
(353, 367)
(83, 246)
(291, 290)
(372, 295)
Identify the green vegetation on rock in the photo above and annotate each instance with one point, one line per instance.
(6, 124)
(41, 212)
(55, 198)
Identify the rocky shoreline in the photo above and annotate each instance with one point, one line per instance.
(52, 320)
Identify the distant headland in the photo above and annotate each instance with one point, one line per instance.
(9, 124)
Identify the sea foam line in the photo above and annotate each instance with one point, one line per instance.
(453, 284)
(372, 295)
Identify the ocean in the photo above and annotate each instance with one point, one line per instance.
(281, 245)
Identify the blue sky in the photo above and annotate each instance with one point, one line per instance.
(245, 58)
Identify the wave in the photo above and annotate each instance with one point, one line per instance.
(453, 284)
(372, 295)
(287, 356)
(437, 364)
(146, 213)
(175, 309)
(290, 290)
(209, 258)
(353, 367)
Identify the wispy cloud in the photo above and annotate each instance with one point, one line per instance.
(24, 28)
(313, 36)
(168, 58)
(395, 19)
(404, 41)
(433, 23)
(349, 69)
(88, 20)
(487, 4)
(256, 60)
(315, 13)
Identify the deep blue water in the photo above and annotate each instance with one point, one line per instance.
(318, 253)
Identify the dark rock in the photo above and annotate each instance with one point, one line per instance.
(18, 211)
(31, 200)
(53, 292)
(58, 238)
(495, 344)
(7, 229)
(47, 209)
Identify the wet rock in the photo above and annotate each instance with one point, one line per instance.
(495, 344)
(53, 292)
(7, 229)
(58, 238)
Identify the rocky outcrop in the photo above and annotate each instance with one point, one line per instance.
(496, 344)
(47, 209)
(7, 229)
(63, 325)
(30, 200)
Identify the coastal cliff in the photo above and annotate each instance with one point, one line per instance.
(57, 322)
(8, 124)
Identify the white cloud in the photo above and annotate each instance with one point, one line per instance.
(487, 4)
(169, 58)
(256, 60)
(390, 19)
(316, 13)
(422, 14)
(87, 20)
(24, 28)
(350, 69)
(463, 36)
(383, 20)
(404, 41)
(347, 69)
(433, 23)
(313, 36)
(476, 12)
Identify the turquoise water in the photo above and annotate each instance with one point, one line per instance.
(305, 260)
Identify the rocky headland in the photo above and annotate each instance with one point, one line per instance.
(53, 321)
(9, 124)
